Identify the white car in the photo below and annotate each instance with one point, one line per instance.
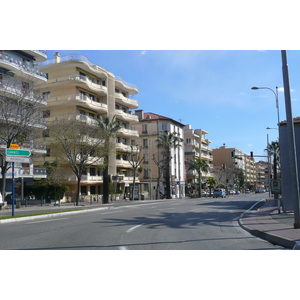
(1, 201)
(219, 193)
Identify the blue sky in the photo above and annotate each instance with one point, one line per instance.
(209, 89)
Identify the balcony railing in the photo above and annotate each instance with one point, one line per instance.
(25, 66)
(132, 85)
(15, 89)
(77, 57)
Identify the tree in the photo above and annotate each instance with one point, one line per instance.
(199, 165)
(135, 159)
(211, 183)
(79, 143)
(238, 177)
(21, 117)
(54, 173)
(166, 142)
(109, 128)
(274, 149)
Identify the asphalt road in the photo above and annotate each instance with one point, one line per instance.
(177, 224)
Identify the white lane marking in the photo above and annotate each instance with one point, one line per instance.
(123, 248)
(242, 214)
(48, 220)
(134, 227)
(112, 212)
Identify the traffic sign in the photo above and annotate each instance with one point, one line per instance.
(19, 159)
(19, 152)
(14, 146)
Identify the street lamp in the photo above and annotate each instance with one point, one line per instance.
(276, 196)
(276, 99)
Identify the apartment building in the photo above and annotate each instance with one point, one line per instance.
(262, 169)
(197, 146)
(149, 127)
(19, 74)
(225, 166)
(77, 86)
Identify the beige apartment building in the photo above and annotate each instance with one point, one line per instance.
(197, 146)
(76, 85)
(225, 165)
(149, 127)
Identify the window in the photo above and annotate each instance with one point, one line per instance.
(164, 127)
(146, 173)
(144, 128)
(46, 113)
(25, 85)
(92, 171)
(46, 95)
(146, 161)
(46, 133)
(145, 143)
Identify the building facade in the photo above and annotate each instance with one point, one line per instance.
(77, 86)
(19, 74)
(226, 167)
(149, 127)
(197, 146)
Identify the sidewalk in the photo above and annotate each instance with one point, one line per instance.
(267, 224)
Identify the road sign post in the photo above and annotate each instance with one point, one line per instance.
(15, 155)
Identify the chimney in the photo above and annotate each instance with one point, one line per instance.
(57, 57)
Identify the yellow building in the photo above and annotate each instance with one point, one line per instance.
(75, 85)
(197, 146)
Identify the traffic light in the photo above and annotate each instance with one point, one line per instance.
(232, 154)
(251, 155)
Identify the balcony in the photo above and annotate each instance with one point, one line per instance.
(87, 179)
(123, 164)
(132, 119)
(13, 89)
(130, 103)
(130, 87)
(22, 68)
(123, 132)
(77, 80)
(27, 172)
(77, 58)
(123, 148)
(84, 101)
(39, 55)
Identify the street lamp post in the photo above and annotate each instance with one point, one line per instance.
(276, 99)
(295, 193)
(276, 196)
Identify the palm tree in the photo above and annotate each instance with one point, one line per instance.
(168, 141)
(211, 181)
(110, 128)
(200, 165)
(274, 149)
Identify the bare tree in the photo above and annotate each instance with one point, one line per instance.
(79, 143)
(135, 159)
(20, 116)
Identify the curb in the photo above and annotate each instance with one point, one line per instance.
(51, 215)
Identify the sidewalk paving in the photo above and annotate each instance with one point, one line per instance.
(267, 224)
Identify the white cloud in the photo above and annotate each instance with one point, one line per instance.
(143, 52)
(281, 89)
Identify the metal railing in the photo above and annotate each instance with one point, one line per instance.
(85, 59)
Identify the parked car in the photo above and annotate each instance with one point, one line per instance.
(219, 193)
(1, 201)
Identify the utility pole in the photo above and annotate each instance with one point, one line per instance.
(291, 141)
